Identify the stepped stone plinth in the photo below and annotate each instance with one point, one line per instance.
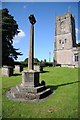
(30, 89)
(28, 94)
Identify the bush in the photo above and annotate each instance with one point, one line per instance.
(47, 64)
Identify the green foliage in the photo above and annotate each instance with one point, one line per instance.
(78, 45)
(46, 64)
(63, 103)
(25, 62)
(36, 61)
(9, 30)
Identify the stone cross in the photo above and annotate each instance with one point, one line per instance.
(30, 89)
(31, 49)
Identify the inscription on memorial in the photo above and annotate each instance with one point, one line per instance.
(30, 77)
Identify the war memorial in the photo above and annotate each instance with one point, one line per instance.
(30, 89)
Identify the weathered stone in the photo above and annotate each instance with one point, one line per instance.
(28, 94)
(7, 71)
(30, 89)
(65, 50)
(30, 78)
(31, 49)
(18, 68)
(38, 68)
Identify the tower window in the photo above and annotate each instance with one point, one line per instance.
(60, 41)
(76, 58)
(65, 40)
(63, 45)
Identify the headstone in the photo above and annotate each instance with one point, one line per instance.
(38, 68)
(18, 68)
(30, 89)
(7, 71)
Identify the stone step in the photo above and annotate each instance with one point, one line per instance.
(40, 88)
(44, 93)
(30, 89)
(13, 91)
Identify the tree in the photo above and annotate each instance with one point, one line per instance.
(44, 60)
(78, 45)
(36, 61)
(9, 30)
(0, 39)
(25, 62)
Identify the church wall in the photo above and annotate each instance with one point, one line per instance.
(63, 57)
(63, 41)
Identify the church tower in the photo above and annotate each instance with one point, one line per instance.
(65, 39)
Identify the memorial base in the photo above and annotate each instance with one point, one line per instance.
(30, 78)
(30, 89)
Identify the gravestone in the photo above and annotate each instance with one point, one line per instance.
(7, 71)
(38, 68)
(18, 68)
(30, 89)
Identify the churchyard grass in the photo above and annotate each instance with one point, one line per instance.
(0, 94)
(63, 103)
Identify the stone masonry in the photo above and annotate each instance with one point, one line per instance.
(65, 50)
(30, 89)
(7, 71)
(38, 68)
(18, 68)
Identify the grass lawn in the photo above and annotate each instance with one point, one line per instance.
(62, 104)
(0, 95)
